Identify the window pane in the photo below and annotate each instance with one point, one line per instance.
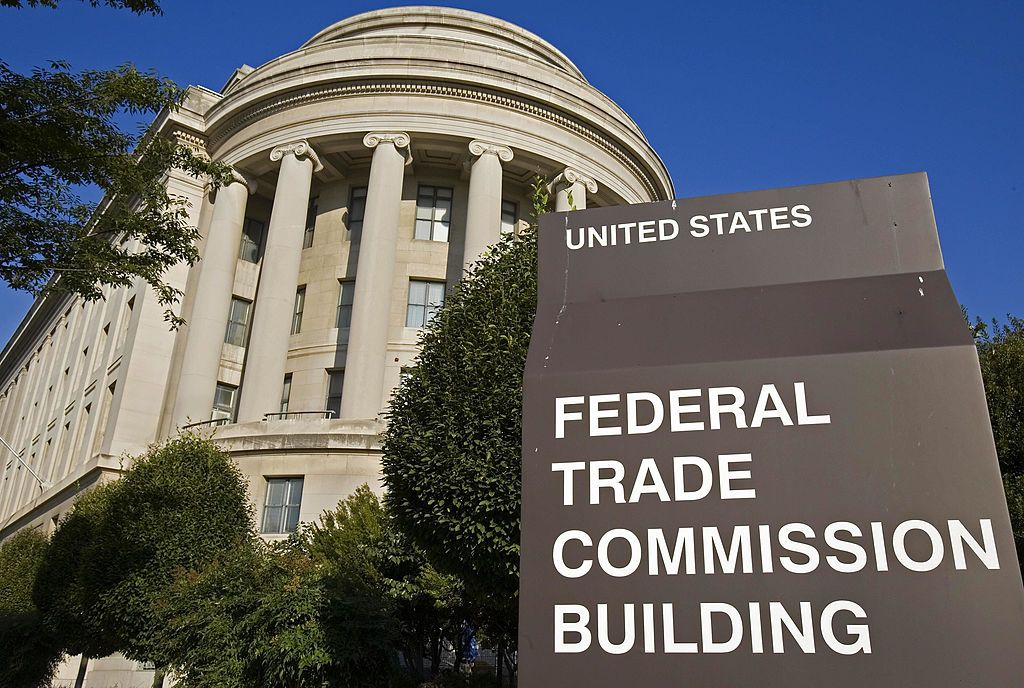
(286, 392)
(307, 237)
(435, 293)
(417, 292)
(272, 519)
(275, 492)
(294, 492)
(345, 297)
(252, 240)
(300, 302)
(440, 232)
(356, 209)
(509, 216)
(414, 316)
(238, 322)
(422, 229)
(335, 385)
(291, 519)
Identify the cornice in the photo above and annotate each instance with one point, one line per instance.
(447, 90)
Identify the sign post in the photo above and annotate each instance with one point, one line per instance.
(756, 451)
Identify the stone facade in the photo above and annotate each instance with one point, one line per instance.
(373, 164)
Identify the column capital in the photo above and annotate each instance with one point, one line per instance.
(400, 140)
(237, 177)
(478, 147)
(242, 178)
(299, 149)
(571, 175)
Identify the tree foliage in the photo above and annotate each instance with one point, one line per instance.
(177, 508)
(137, 6)
(29, 652)
(334, 605)
(60, 136)
(452, 445)
(1001, 353)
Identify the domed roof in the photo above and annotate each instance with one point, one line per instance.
(448, 23)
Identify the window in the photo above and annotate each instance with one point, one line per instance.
(425, 298)
(252, 240)
(224, 402)
(281, 508)
(286, 392)
(307, 237)
(346, 292)
(335, 382)
(433, 213)
(356, 210)
(509, 216)
(300, 303)
(238, 321)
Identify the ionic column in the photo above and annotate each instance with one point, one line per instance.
(375, 268)
(279, 274)
(209, 318)
(575, 182)
(483, 212)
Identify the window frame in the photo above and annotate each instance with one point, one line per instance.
(351, 285)
(353, 223)
(289, 504)
(244, 326)
(332, 373)
(298, 308)
(246, 242)
(230, 417)
(507, 228)
(429, 308)
(310, 229)
(437, 225)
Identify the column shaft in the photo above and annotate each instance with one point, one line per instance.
(267, 351)
(483, 211)
(371, 304)
(208, 321)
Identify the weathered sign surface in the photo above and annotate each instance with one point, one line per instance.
(756, 451)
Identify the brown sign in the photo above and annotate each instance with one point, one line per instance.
(756, 451)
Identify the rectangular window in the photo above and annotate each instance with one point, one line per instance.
(509, 216)
(281, 508)
(356, 210)
(433, 213)
(224, 402)
(252, 240)
(307, 237)
(286, 392)
(347, 291)
(425, 298)
(300, 303)
(335, 383)
(238, 321)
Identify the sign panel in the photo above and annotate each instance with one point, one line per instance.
(756, 451)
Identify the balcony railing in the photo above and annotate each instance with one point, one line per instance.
(325, 414)
(213, 423)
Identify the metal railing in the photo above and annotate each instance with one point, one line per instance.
(325, 414)
(213, 422)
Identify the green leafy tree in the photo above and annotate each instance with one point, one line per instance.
(371, 563)
(29, 652)
(176, 509)
(59, 138)
(1001, 354)
(452, 448)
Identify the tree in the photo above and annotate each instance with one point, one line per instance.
(59, 138)
(176, 509)
(1001, 354)
(29, 652)
(452, 447)
(137, 6)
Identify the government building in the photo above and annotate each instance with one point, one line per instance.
(372, 165)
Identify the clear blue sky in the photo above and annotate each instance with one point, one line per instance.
(733, 95)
